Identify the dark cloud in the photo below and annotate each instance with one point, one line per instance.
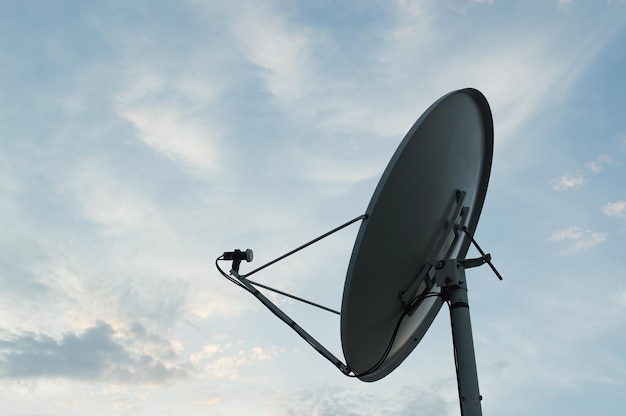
(100, 353)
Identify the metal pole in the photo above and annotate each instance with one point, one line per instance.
(466, 373)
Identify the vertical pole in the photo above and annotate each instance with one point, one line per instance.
(465, 359)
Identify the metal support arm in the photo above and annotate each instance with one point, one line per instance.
(286, 319)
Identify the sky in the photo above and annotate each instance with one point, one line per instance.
(140, 140)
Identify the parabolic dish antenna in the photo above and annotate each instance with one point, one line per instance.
(410, 252)
(448, 149)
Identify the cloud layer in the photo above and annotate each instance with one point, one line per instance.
(98, 354)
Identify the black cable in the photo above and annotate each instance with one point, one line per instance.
(223, 273)
(382, 359)
(385, 354)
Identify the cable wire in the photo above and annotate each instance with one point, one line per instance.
(394, 334)
(382, 359)
(223, 273)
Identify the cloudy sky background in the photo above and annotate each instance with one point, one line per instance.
(139, 140)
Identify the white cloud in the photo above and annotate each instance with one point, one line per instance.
(329, 170)
(590, 240)
(211, 400)
(566, 182)
(282, 50)
(523, 76)
(563, 4)
(615, 209)
(598, 165)
(314, 80)
(577, 180)
(582, 240)
(207, 351)
(572, 233)
(173, 133)
(170, 115)
(112, 203)
(228, 366)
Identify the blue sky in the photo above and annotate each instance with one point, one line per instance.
(139, 140)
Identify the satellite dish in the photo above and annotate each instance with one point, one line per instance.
(410, 252)
(447, 151)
